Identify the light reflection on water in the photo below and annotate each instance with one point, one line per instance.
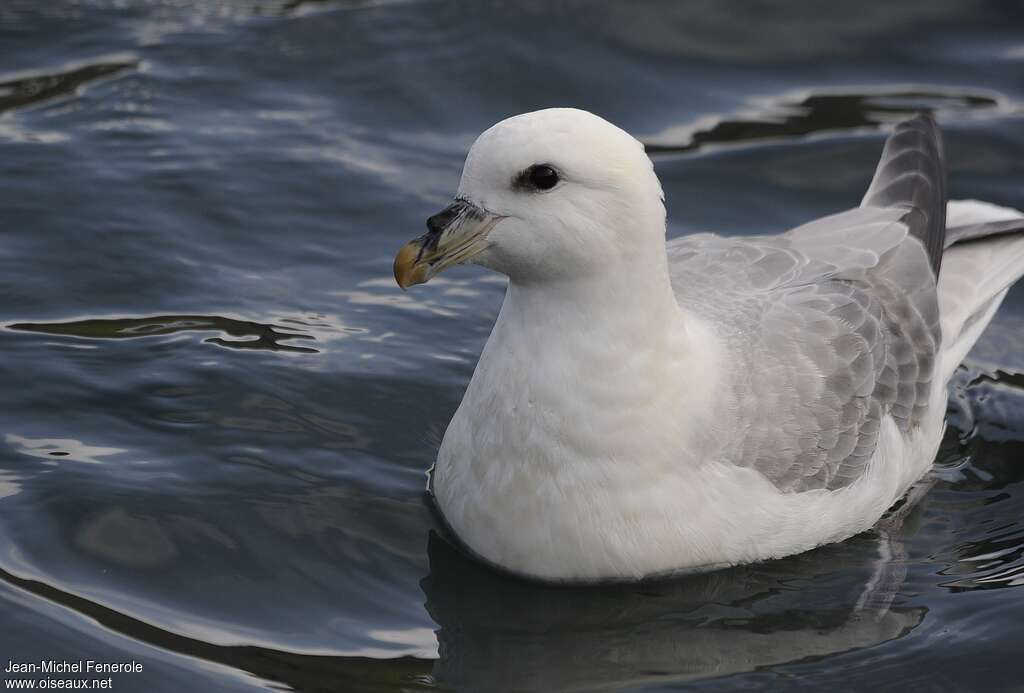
(218, 408)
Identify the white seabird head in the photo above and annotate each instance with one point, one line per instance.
(544, 196)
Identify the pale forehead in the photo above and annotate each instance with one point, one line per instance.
(562, 136)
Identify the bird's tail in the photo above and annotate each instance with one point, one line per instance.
(983, 257)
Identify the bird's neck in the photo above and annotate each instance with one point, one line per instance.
(631, 302)
(568, 363)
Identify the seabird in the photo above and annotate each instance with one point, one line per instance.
(644, 408)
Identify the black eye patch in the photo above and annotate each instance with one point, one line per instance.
(537, 177)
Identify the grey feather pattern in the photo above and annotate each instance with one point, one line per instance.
(834, 326)
(831, 327)
(912, 175)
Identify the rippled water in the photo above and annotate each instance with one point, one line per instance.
(218, 408)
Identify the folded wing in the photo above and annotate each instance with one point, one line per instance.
(832, 326)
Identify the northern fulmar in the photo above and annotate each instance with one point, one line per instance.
(644, 407)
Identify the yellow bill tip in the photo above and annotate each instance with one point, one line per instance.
(409, 272)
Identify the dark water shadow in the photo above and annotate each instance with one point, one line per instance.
(23, 92)
(294, 6)
(824, 112)
(981, 459)
(251, 335)
(300, 672)
(995, 562)
(502, 634)
(499, 633)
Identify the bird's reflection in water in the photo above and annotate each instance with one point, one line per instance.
(499, 633)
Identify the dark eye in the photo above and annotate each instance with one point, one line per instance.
(541, 177)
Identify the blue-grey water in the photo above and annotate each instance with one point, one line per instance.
(217, 408)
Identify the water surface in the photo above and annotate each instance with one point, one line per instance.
(218, 409)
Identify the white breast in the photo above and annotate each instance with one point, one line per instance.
(582, 464)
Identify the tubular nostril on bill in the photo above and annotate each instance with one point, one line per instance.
(438, 222)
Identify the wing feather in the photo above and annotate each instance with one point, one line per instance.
(831, 327)
(911, 175)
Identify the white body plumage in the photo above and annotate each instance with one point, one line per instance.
(577, 455)
(607, 434)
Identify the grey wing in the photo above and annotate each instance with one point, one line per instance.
(911, 175)
(832, 326)
(830, 331)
